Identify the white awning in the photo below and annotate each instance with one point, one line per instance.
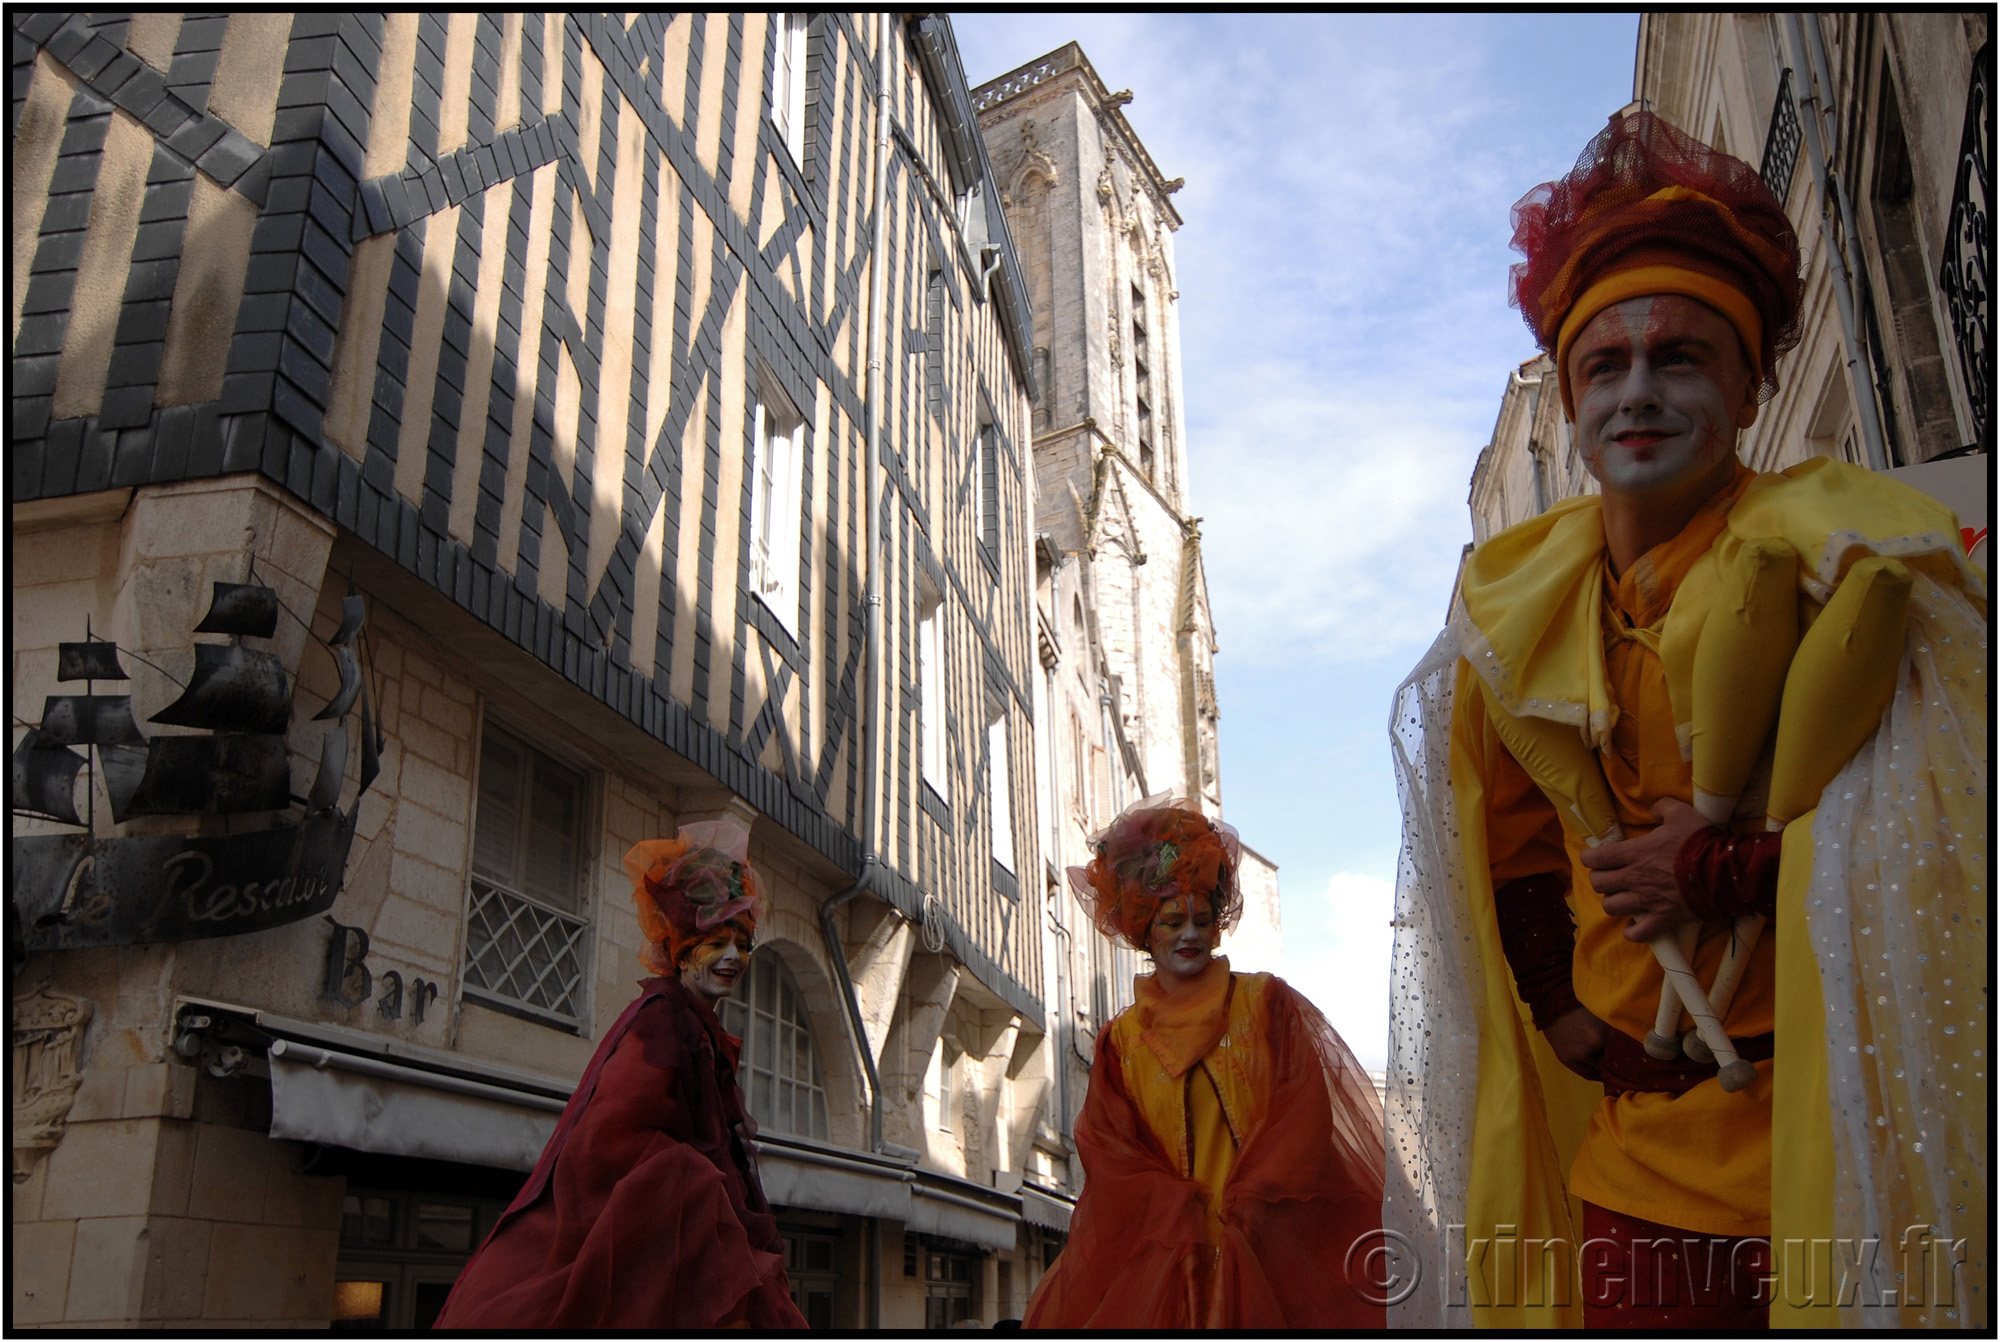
(939, 1211)
(365, 1104)
(795, 1174)
(1047, 1210)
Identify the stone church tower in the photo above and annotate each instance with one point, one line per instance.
(1126, 706)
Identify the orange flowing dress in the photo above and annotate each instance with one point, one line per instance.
(1232, 1149)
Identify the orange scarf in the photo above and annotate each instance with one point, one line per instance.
(1181, 1027)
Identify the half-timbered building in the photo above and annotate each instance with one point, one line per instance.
(661, 386)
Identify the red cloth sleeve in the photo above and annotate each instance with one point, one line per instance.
(1723, 876)
(1538, 937)
(1306, 1187)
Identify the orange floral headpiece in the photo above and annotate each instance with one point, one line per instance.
(1650, 210)
(1158, 849)
(686, 887)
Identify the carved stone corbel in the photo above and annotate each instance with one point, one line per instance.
(48, 1034)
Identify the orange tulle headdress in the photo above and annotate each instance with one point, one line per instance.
(1158, 849)
(688, 886)
(1650, 210)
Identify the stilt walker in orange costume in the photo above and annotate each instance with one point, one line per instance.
(1231, 1146)
(1660, 717)
(645, 1211)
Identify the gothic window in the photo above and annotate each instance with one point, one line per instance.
(788, 82)
(780, 1071)
(527, 933)
(777, 461)
(1142, 377)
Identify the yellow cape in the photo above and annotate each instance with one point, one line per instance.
(1527, 623)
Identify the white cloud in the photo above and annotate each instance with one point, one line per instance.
(1332, 521)
(1343, 963)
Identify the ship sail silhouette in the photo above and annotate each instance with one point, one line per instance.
(92, 889)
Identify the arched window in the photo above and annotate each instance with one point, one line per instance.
(780, 1073)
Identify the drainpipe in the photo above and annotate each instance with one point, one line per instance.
(1066, 1026)
(872, 624)
(1832, 197)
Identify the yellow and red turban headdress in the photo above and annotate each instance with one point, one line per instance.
(1158, 849)
(687, 887)
(1650, 210)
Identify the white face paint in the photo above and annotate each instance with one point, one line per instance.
(1661, 387)
(1181, 946)
(714, 964)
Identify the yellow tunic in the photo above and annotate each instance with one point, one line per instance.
(1198, 1070)
(1635, 1157)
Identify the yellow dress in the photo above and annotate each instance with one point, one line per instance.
(1198, 1071)
(1232, 1152)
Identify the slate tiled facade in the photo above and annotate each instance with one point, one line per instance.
(470, 314)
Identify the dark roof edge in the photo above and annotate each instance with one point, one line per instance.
(937, 50)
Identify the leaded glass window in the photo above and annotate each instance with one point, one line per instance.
(780, 1073)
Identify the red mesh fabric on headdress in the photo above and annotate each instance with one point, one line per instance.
(685, 888)
(1159, 849)
(1644, 193)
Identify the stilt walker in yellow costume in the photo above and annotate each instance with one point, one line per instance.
(1690, 1011)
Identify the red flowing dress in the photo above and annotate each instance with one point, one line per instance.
(644, 1211)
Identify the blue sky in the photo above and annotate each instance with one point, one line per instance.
(1346, 337)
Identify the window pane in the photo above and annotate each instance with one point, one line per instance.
(930, 689)
(550, 860)
(498, 832)
(367, 1220)
(1000, 788)
(780, 1073)
(444, 1226)
(354, 1301)
(527, 855)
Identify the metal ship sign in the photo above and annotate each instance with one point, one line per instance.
(286, 863)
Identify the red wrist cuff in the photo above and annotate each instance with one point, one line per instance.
(1723, 876)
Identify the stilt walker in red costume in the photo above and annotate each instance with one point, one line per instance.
(645, 1210)
(1232, 1145)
